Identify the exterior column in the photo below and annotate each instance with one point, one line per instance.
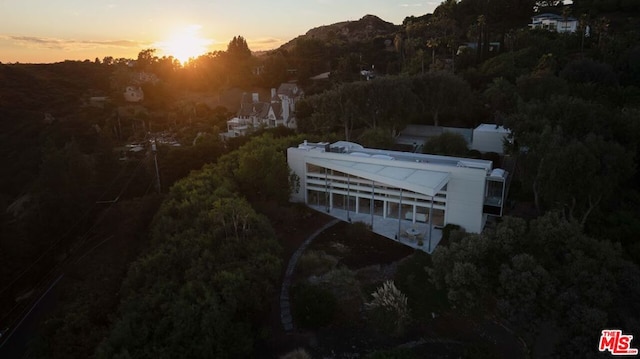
(348, 198)
(326, 189)
(430, 223)
(373, 192)
(414, 213)
(399, 214)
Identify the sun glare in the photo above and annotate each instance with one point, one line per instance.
(185, 44)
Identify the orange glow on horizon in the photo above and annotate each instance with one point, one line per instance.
(185, 44)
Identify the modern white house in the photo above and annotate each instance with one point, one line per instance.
(554, 22)
(254, 114)
(405, 196)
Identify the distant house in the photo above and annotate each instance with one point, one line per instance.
(489, 138)
(554, 22)
(98, 101)
(142, 77)
(254, 114)
(133, 94)
(484, 138)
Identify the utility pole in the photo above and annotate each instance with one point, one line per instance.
(155, 159)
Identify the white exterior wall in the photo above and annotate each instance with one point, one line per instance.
(465, 199)
(486, 138)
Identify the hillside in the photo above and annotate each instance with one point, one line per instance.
(366, 29)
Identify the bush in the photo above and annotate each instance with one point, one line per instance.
(388, 310)
(413, 280)
(474, 154)
(313, 306)
(396, 353)
(446, 232)
(446, 144)
(299, 353)
(315, 262)
(494, 157)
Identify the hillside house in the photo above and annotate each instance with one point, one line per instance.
(404, 196)
(554, 22)
(133, 94)
(254, 114)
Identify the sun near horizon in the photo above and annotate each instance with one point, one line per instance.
(184, 44)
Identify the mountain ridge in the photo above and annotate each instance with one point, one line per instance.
(366, 28)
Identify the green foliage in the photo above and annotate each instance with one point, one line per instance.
(385, 103)
(299, 353)
(313, 306)
(413, 280)
(388, 309)
(501, 96)
(447, 144)
(377, 138)
(589, 71)
(478, 350)
(441, 93)
(178, 162)
(541, 87)
(315, 262)
(396, 353)
(187, 296)
(548, 273)
(446, 231)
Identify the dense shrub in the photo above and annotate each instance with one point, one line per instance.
(313, 306)
(315, 262)
(388, 310)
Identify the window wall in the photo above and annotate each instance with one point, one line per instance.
(331, 189)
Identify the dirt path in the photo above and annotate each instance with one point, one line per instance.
(285, 303)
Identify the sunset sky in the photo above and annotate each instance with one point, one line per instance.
(40, 31)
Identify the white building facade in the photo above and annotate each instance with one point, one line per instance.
(490, 138)
(553, 22)
(398, 192)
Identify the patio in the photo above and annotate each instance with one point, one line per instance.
(410, 233)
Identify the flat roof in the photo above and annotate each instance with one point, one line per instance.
(422, 181)
(350, 148)
(487, 127)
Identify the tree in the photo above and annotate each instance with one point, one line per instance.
(238, 49)
(578, 176)
(377, 138)
(547, 275)
(310, 58)
(236, 63)
(441, 92)
(187, 296)
(262, 172)
(526, 292)
(587, 71)
(146, 59)
(502, 97)
(446, 144)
